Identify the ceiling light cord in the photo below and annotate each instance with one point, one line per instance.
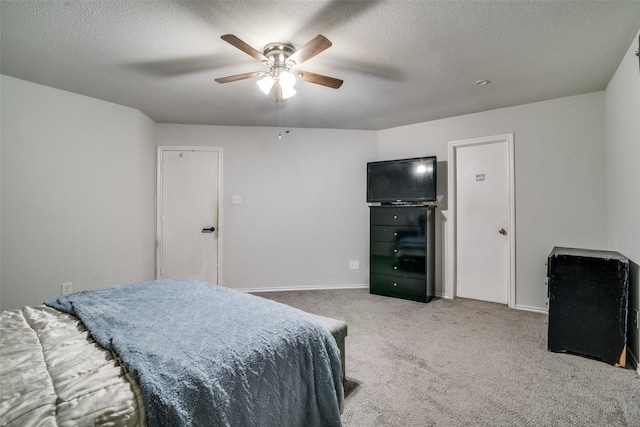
(280, 122)
(282, 108)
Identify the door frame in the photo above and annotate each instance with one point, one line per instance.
(451, 261)
(220, 229)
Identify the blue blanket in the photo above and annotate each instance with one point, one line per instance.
(209, 355)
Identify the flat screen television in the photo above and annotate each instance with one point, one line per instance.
(402, 181)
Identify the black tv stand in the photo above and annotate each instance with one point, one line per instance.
(402, 251)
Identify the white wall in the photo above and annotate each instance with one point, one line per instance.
(303, 214)
(559, 172)
(78, 193)
(623, 173)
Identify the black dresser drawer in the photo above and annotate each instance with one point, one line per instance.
(394, 250)
(387, 249)
(395, 233)
(384, 233)
(413, 267)
(398, 216)
(413, 289)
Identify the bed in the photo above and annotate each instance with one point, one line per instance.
(169, 352)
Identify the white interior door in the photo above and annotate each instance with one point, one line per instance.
(483, 220)
(188, 201)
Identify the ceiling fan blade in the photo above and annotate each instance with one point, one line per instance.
(309, 50)
(239, 77)
(319, 79)
(233, 40)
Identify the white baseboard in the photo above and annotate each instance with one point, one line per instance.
(303, 288)
(318, 288)
(533, 309)
(361, 286)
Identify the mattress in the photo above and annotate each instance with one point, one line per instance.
(54, 374)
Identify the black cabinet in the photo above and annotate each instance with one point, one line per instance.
(588, 303)
(402, 257)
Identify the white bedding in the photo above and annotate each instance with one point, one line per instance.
(54, 374)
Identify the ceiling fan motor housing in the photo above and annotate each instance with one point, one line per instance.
(278, 53)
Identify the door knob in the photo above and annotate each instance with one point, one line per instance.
(502, 231)
(209, 230)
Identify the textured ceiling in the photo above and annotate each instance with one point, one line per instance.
(402, 62)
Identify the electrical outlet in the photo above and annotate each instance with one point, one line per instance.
(236, 199)
(67, 288)
(354, 265)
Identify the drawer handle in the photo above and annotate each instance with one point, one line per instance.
(395, 267)
(395, 251)
(395, 284)
(395, 234)
(395, 217)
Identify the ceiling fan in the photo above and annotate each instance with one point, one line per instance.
(282, 60)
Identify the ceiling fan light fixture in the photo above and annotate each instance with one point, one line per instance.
(287, 92)
(265, 84)
(287, 79)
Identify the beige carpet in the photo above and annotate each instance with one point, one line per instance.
(464, 362)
